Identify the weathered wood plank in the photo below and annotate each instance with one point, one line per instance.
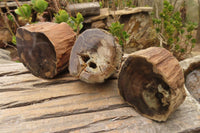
(65, 104)
(105, 12)
(14, 4)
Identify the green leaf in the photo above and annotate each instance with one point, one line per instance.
(193, 41)
(101, 4)
(10, 17)
(157, 30)
(182, 31)
(177, 47)
(79, 18)
(121, 42)
(80, 26)
(125, 35)
(24, 11)
(39, 5)
(188, 37)
(62, 16)
(182, 50)
(14, 40)
(170, 40)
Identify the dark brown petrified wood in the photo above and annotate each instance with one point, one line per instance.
(95, 56)
(44, 48)
(152, 81)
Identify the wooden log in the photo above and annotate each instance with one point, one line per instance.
(86, 9)
(95, 56)
(44, 48)
(152, 81)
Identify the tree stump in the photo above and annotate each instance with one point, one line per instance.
(44, 48)
(95, 56)
(152, 81)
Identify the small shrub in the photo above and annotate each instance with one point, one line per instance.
(62, 16)
(39, 5)
(24, 11)
(116, 29)
(178, 37)
(75, 22)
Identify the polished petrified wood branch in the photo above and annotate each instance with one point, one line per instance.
(44, 48)
(152, 81)
(95, 56)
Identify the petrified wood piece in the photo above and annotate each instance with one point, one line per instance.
(44, 48)
(86, 9)
(191, 68)
(152, 81)
(95, 56)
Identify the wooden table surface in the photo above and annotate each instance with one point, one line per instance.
(29, 104)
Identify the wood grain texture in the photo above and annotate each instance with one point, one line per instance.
(95, 56)
(86, 9)
(44, 48)
(14, 4)
(152, 81)
(105, 12)
(65, 104)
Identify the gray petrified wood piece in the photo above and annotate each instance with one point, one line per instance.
(95, 56)
(191, 67)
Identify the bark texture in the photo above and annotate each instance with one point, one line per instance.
(95, 56)
(44, 48)
(152, 81)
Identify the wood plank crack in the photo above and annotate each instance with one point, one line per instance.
(79, 111)
(38, 101)
(57, 82)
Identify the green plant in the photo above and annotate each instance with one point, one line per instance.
(176, 36)
(62, 16)
(39, 5)
(75, 22)
(116, 29)
(14, 40)
(10, 18)
(25, 10)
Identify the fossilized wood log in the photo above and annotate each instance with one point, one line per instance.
(152, 81)
(191, 67)
(44, 48)
(95, 56)
(86, 9)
